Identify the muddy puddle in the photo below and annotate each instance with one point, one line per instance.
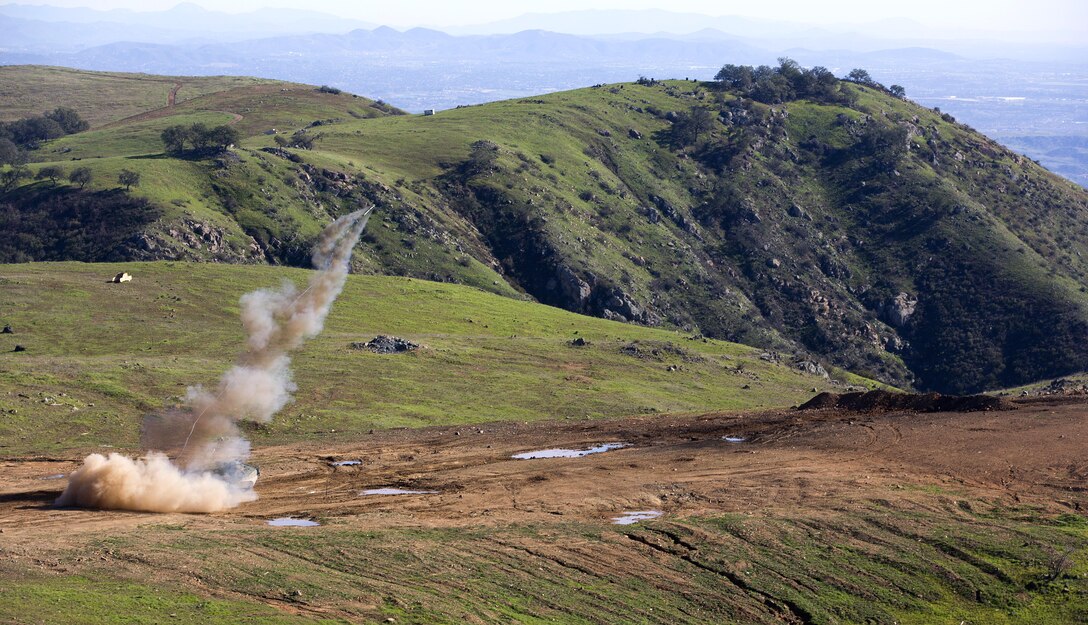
(397, 491)
(735, 439)
(630, 518)
(346, 463)
(569, 453)
(58, 476)
(291, 522)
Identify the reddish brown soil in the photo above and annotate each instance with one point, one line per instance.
(791, 460)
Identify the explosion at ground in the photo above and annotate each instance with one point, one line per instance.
(186, 443)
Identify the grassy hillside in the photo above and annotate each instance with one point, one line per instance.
(102, 97)
(862, 229)
(99, 356)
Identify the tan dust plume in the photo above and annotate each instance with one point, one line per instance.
(189, 443)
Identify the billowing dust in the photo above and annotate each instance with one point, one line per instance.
(188, 443)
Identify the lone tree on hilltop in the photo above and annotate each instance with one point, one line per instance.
(897, 91)
(128, 179)
(862, 77)
(80, 176)
(52, 172)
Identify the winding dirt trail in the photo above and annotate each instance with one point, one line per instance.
(172, 99)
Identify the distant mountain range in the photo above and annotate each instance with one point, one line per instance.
(35, 28)
(1034, 105)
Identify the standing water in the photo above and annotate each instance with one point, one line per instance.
(289, 522)
(629, 518)
(568, 453)
(397, 491)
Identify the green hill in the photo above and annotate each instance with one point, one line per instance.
(874, 234)
(98, 356)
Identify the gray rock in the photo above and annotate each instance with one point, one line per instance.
(574, 289)
(613, 316)
(899, 310)
(634, 134)
(812, 368)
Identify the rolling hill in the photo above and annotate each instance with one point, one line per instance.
(862, 229)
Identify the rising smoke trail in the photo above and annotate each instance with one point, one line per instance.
(203, 434)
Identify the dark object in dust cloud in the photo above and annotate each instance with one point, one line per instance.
(189, 443)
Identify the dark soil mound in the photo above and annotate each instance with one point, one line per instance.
(885, 401)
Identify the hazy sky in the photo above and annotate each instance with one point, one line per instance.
(998, 15)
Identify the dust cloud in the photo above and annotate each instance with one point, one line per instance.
(192, 444)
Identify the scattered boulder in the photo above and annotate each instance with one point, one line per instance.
(121, 277)
(7, 329)
(795, 210)
(282, 153)
(1062, 386)
(634, 134)
(887, 401)
(387, 345)
(811, 367)
(770, 357)
(578, 342)
(19, 348)
(898, 311)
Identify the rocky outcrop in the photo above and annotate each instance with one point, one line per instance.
(574, 289)
(189, 239)
(898, 311)
(615, 304)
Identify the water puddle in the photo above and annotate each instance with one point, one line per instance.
(629, 518)
(397, 491)
(734, 439)
(568, 453)
(347, 463)
(289, 522)
(58, 476)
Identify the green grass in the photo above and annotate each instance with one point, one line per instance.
(100, 355)
(914, 561)
(135, 139)
(100, 97)
(82, 601)
(573, 189)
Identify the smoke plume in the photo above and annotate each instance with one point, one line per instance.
(189, 445)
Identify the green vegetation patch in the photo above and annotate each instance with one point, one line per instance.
(82, 601)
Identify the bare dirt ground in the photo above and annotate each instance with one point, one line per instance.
(681, 465)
